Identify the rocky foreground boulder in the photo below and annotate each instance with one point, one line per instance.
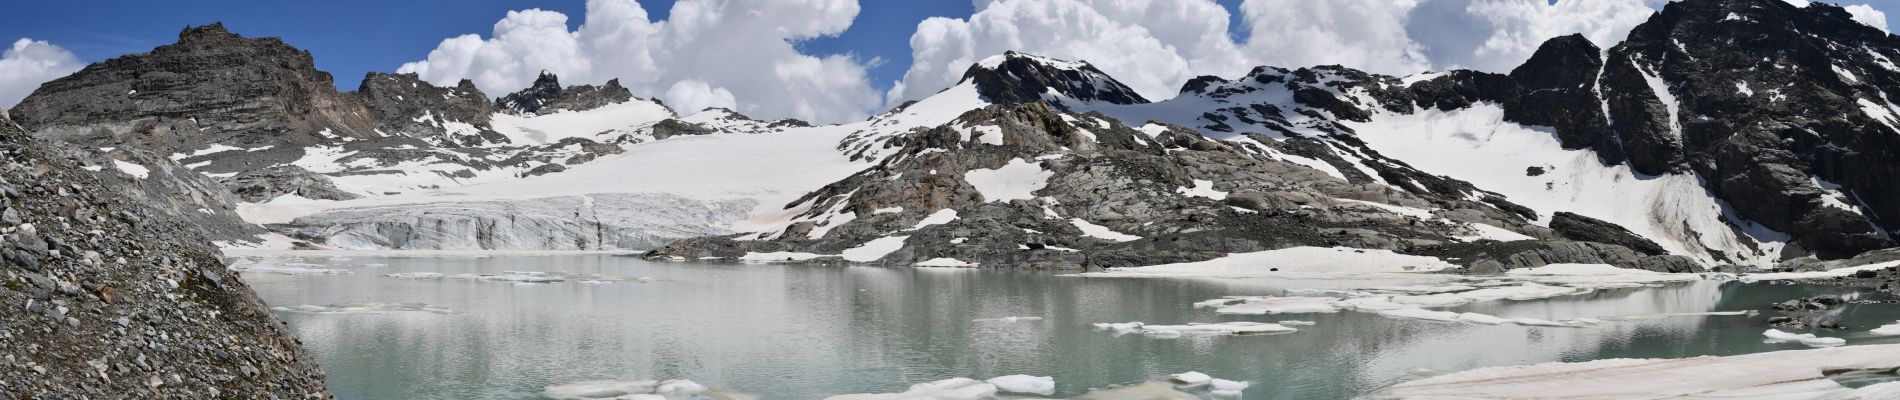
(106, 298)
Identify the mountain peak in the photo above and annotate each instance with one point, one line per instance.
(1016, 78)
(547, 94)
(213, 31)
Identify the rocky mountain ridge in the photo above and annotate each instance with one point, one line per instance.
(256, 116)
(1618, 114)
(1643, 150)
(547, 95)
(1022, 182)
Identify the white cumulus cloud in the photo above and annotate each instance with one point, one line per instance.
(1364, 34)
(1497, 35)
(1156, 45)
(1151, 45)
(30, 63)
(729, 53)
(1866, 14)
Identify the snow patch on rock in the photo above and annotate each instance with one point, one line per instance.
(1017, 180)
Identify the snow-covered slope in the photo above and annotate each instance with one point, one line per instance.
(737, 176)
(591, 124)
(1401, 133)
(1477, 145)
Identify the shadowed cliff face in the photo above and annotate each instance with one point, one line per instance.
(1784, 110)
(106, 299)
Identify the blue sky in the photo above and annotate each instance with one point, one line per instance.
(352, 37)
(1153, 46)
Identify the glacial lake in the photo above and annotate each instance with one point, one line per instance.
(805, 332)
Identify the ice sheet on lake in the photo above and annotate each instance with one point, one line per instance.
(364, 308)
(527, 277)
(287, 269)
(1414, 301)
(1007, 319)
(634, 389)
(1174, 331)
(1284, 262)
(1790, 374)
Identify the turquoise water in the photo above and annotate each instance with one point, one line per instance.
(796, 332)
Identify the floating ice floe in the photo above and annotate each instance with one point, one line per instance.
(1226, 388)
(1174, 331)
(1416, 307)
(1191, 378)
(364, 308)
(1796, 374)
(624, 389)
(1777, 336)
(1007, 319)
(944, 262)
(289, 269)
(1832, 273)
(1281, 263)
(948, 389)
(1887, 330)
(522, 277)
(1273, 305)
(1041, 385)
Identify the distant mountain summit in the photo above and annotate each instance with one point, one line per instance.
(546, 96)
(446, 116)
(212, 86)
(1018, 78)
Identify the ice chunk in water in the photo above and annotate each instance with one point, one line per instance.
(1777, 336)
(1042, 385)
(1887, 330)
(948, 389)
(622, 389)
(1420, 313)
(1222, 388)
(1280, 305)
(1173, 331)
(289, 269)
(1008, 319)
(1191, 378)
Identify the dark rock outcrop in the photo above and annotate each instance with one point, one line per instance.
(1017, 78)
(1558, 89)
(107, 299)
(212, 86)
(1783, 110)
(1489, 257)
(547, 96)
(446, 116)
(1585, 229)
(261, 185)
